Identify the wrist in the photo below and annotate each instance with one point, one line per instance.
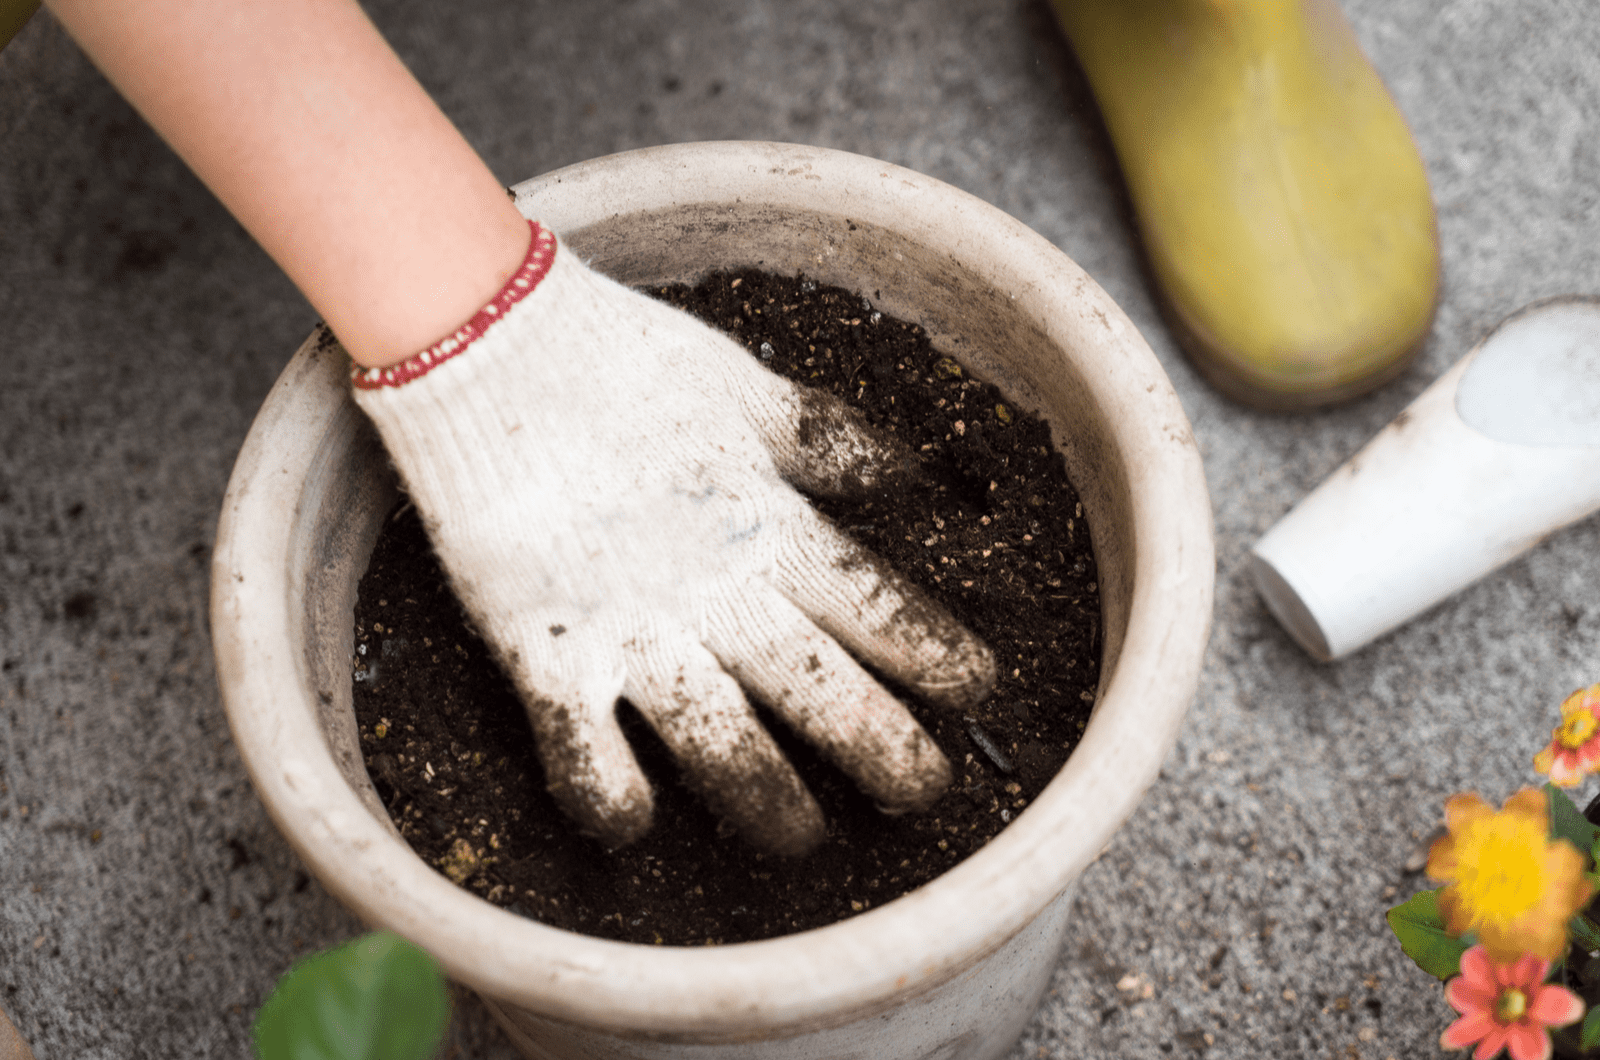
(535, 265)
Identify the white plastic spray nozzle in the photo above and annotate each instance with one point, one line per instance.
(1498, 453)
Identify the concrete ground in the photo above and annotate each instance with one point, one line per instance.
(146, 903)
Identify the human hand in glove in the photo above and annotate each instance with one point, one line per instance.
(606, 481)
(610, 485)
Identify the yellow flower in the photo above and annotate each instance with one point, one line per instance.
(1574, 749)
(1508, 880)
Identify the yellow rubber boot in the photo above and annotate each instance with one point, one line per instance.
(14, 14)
(1283, 205)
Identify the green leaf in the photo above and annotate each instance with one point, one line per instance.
(1419, 926)
(1585, 933)
(1590, 1036)
(1567, 821)
(377, 997)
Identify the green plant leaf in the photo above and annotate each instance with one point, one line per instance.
(1585, 933)
(377, 997)
(1567, 821)
(1419, 926)
(1590, 1037)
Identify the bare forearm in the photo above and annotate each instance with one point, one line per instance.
(305, 124)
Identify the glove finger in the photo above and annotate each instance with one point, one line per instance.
(782, 659)
(880, 615)
(726, 755)
(822, 445)
(569, 682)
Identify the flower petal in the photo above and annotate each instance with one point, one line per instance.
(1532, 932)
(1476, 968)
(1554, 1006)
(1527, 1042)
(1536, 932)
(1467, 1030)
(1528, 973)
(1582, 699)
(1466, 996)
(1564, 771)
(1442, 859)
(1457, 913)
(1462, 810)
(1544, 761)
(1542, 930)
(1492, 1042)
(1531, 803)
(1589, 753)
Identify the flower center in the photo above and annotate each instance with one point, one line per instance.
(1575, 730)
(1510, 1006)
(1502, 867)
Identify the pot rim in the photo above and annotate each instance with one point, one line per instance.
(879, 957)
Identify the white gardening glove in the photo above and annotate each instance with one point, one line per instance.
(606, 482)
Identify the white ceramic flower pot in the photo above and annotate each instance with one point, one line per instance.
(952, 970)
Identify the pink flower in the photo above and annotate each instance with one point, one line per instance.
(1574, 748)
(1506, 1006)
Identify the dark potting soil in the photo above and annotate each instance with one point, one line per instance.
(996, 533)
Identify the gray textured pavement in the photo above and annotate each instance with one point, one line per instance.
(146, 903)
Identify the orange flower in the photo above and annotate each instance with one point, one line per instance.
(1508, 880)
(1574, 750)
(1506, 1007)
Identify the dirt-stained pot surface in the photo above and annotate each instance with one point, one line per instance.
(994, 531)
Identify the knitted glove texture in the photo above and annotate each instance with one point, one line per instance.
(611, 487)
